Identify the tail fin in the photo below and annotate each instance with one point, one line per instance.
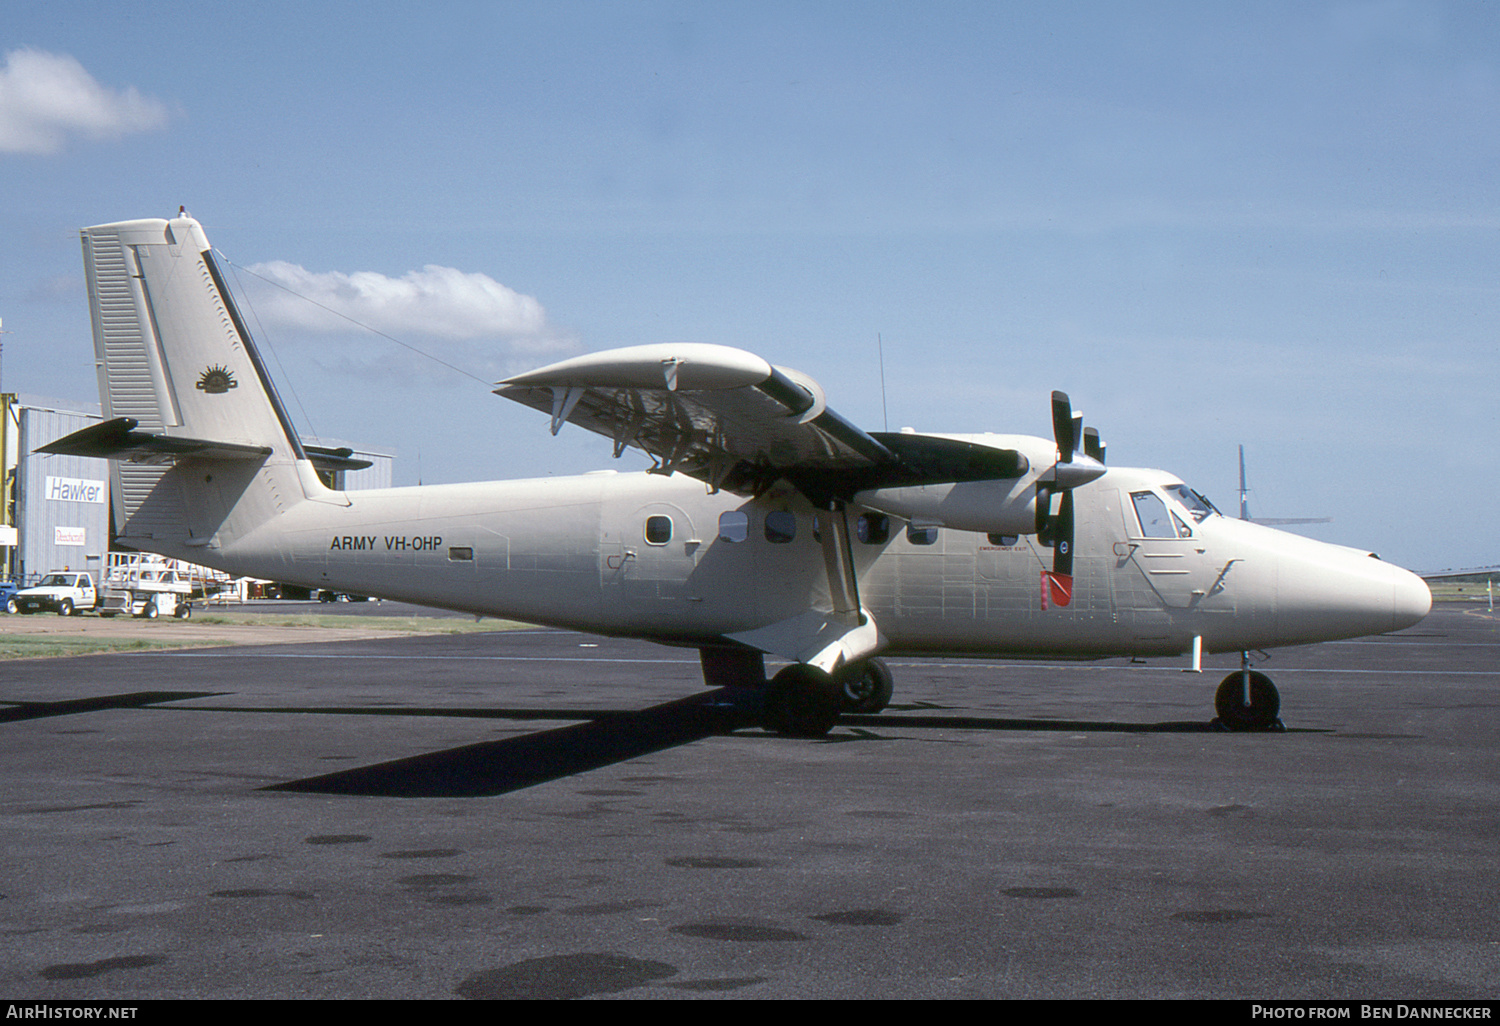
(180, 381)
(172, 352)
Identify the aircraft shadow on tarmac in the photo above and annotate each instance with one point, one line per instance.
(607, 737)
(601, 737)
(13, 712)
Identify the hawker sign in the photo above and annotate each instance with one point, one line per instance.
(75, 489)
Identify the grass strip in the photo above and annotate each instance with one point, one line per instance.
(51, 646)
(398, 624)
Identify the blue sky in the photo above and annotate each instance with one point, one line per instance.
(1213, 224)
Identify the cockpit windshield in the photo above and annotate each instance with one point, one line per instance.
(1196, 504)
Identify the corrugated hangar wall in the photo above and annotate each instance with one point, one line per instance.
(62, 502)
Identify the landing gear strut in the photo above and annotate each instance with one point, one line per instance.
(1247, 700)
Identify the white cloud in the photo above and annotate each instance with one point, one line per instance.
(45, 98)
(435, 302)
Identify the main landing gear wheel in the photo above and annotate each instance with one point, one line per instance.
(1260, 714)
(866, 686)
(802, 701)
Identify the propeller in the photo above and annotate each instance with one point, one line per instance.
(1092, 445)
(1054, 500)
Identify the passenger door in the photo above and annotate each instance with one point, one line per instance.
(1164, 548)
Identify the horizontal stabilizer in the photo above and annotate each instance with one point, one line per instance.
(118, 439)
(341, 458)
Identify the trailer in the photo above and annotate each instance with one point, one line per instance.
(146, 586)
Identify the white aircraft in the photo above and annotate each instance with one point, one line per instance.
(768, 526)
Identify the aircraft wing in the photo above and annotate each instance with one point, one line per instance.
(731, 419)
(1446, 575)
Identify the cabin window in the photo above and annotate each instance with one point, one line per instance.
(658, 529)
(1156, 522)
(781, 526)
(921, 535)
(460, 554)
(1005, 540)
(734, 526)
(873, 528)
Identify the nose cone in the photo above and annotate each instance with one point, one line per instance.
(1330, 592)
(1411, 599)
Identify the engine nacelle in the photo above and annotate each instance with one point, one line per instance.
(991, 507)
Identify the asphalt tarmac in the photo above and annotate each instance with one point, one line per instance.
(547, 814)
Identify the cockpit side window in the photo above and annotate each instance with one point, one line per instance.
(1196, 504)
(1156, 522)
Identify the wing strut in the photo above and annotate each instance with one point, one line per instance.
(838, 559)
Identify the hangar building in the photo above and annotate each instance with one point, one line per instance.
(56, 508)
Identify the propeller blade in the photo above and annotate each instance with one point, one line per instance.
(1062, 426)
(1061, 530)
(1093, 445)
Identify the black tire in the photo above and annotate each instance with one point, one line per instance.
(866, 686)
(1260, 714)
(802, 701)
(150, 612)
(11, 607)
(65, 607)
(184, 611)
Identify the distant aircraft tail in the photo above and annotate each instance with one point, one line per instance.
(205, 451)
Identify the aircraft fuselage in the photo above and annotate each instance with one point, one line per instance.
(659, 556)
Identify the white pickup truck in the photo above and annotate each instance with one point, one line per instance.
(63, 591)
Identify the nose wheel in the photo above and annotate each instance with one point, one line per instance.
(1247, 700)
(867, 686)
